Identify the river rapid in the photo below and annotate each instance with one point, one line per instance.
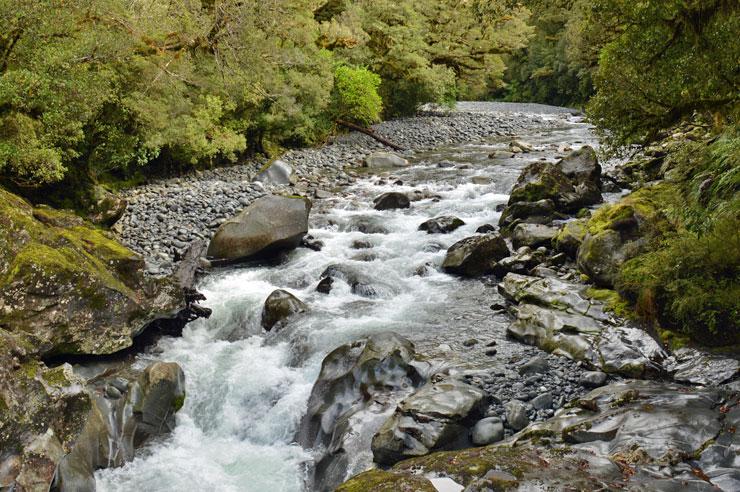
(247, 389)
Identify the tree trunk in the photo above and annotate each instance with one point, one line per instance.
(369, 132)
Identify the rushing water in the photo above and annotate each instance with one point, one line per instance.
(247, 390)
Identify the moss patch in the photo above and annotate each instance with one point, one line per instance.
(383, 481)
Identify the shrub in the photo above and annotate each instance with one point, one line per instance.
(355, 96)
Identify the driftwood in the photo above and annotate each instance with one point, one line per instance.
(370, 133)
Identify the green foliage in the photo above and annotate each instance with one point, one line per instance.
(667, 60)
(690, 282)
(355, 96)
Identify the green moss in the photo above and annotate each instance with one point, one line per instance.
(56, 377)
(179, 402)
(383, 481)
(612, 301)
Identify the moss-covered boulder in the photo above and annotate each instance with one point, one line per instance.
(570, 237)
(67, 287)
(618, 232)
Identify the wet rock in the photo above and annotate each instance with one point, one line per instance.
(655, 430)
(542, 401)
(385, 159)
(107, 207)
(537, 212)
(487, 431)
(325, 285)
(343, 413)
(688, 365)
(516, 415)
(391, 200)
(279, 306)
(593, 379)
(600, 257)
(361, 284)
(361, 244)
(432, 418)
(519, 146)
(480, 180)
(441, 225)
(277, 173)
(311, 242)
(473, 256)
(115, 429)
(368, 225)
(533, 235)
(485, 229)
(269, 225)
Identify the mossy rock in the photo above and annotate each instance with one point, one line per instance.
(570, 237)
(71, 288)
(383, 481)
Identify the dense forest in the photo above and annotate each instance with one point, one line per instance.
(101, 88)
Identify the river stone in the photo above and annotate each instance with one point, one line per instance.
(547, 292)
(474, 256)
(533, 235)
(432, 418)
(360, 283)
(358, 386)
(689, 365)
(391, 200)
(516, 415)
(670, 437)
(487, 431)
(538, 212)
(269, 225)
(593, 379)
(582, 165)
(277, 173)
(116, 428)
(441, 225)
(279, 306)
(535, 365)
(520, 262)
(542, 401)
(385, 159)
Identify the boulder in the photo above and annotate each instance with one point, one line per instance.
(441, 225)
(367, 225)
(570, 237)
(539, 212)
(385, 159)
(391, 200)
(271, 224)
(475, 255)
(276, 173)
(667, 437)
(433, 418)
(107, 207)
(516, 415)
(126, 413)
(67, 287)
(524, 260)
(279, 306)
(533, 235)
(358, 386)
(582, 165)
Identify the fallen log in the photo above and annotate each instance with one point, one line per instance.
(370, 133)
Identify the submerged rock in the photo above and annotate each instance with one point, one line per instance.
(474, 256)
(360, 283)
(279, 306)
(435, 417)
(269, 225)
(441, 225)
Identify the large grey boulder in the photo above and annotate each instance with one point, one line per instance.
(279, 306)
(385, 159)
(537, 212)
(358, 387)
(435, 417)
(533, 235)
(475, 255)
(269, 225)
(277, 173)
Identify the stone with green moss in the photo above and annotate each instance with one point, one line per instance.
(71, 288)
